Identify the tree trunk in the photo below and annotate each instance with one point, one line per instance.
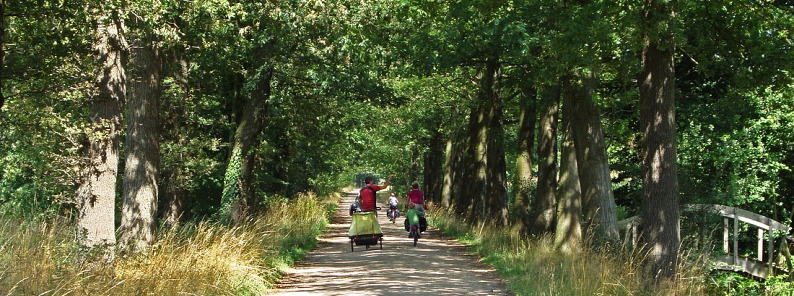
(457, 171)
(415, 169)
(175, 194)
(591, 158)
(450, 159)
(97, 191)
(433, 167)
(2, 54)
(459, 177)
(175, 179)
(523, 175)
(545, 202)
(497, 168)
(477, 182)
(474, 191)
(139, 211)
(568, 232)
(238, 189)
(660, 212)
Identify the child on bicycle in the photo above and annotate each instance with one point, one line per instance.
(393, 212)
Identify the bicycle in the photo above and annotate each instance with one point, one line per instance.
(393, 213)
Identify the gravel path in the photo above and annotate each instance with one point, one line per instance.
(436, 266)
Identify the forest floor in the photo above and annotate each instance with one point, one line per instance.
(436, 266)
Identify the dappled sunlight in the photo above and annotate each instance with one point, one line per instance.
(436, 265)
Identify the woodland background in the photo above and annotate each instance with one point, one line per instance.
(126, 118)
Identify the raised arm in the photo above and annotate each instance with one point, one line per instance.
(388, 181)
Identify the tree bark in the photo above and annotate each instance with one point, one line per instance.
(545, 202)
(458, 171)
(142, 149)
(238, 189)
(97, 190)
(497, 210)
(568, 232)
(450, 158)
(660, 212)
(174, 198)
(523, 174)
(474, 194)
(433, 167)
(591, 157)
(175, 179)
(2, 54)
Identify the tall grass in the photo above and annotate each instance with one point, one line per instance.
(535, 267)
(39, 257)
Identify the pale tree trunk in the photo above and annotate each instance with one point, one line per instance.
(238, 187)
(591, 157)
(545, 202)
(660, 212)
(523, 175)
(97, 191)
(568, 232)
(497, 203)
(449, 178)
(139, 211)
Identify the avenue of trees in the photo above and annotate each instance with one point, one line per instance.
(549, 117)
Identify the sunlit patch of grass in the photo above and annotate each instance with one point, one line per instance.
(39, 257)
(533, 266)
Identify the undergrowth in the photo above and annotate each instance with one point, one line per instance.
(39, 256)
(535, 267)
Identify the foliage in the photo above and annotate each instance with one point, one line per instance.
(364, 87)
(726, 283)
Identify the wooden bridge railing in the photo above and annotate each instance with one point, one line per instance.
(732, 261)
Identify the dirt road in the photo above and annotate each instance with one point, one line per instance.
(436, 266)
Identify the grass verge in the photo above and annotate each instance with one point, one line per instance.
(535, 267)
(39, 257)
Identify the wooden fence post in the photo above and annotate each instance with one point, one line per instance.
(735, 238)
(725, 236)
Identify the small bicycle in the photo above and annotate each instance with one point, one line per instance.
(393, 213)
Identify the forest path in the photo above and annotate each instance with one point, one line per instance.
(436, 266)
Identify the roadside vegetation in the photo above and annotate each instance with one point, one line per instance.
(532, 266)
(40, 257)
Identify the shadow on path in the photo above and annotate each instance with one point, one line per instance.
(436, 266)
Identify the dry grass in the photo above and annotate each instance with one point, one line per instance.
(40, 257)
(535, 267)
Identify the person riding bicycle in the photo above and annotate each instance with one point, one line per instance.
(393, 213)
(367, 193)
(415, 208)
(417, 198)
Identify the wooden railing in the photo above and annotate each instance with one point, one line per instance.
(766, 230)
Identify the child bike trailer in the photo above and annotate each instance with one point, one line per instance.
(365, 230)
